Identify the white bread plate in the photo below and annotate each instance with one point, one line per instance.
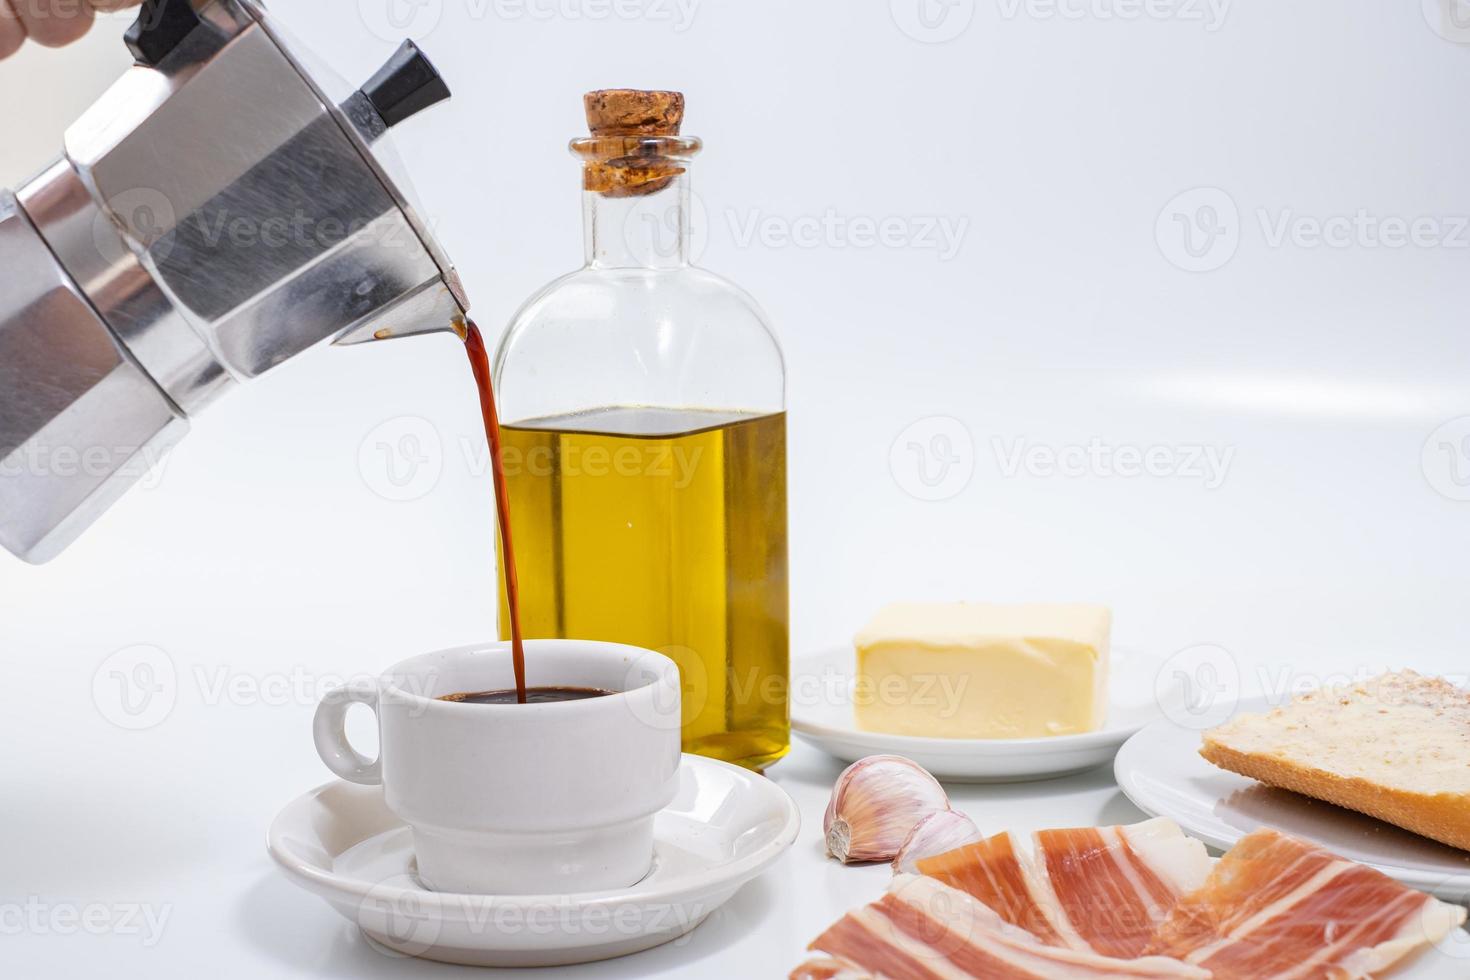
(1161, 771)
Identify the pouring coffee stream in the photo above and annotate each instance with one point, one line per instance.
(480, 363)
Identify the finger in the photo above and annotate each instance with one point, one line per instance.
(12, 31)
(54, 22)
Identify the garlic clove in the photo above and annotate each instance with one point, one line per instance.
(875, 804)
(935, 834)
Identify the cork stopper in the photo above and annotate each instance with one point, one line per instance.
(634, 112)
(635, 148)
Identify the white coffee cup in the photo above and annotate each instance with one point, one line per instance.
(520, 799)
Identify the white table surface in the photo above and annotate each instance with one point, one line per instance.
(194, 853)
(98, 818)
(171, 820)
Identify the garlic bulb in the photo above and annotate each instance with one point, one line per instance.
(875, 804)
(935, 834)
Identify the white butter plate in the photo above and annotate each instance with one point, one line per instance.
(725, 827)
(1161, 771)
(822, 714)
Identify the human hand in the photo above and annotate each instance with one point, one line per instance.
(52, 23)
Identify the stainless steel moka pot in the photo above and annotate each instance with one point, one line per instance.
(225, 206)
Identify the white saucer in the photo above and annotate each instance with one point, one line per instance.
(725, 827)
(821, 713)
(1161, 771)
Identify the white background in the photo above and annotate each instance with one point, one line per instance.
(1057, 141)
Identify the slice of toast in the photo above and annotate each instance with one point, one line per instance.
(1396, 747)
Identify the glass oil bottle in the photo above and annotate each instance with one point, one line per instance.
(645, 443)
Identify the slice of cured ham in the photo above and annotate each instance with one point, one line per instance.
(1099, 889)
(1000, 872)
(924, 930)
(825, 968)
(1278, 907)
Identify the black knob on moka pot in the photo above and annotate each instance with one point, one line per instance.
(405, 86)
(162, 25)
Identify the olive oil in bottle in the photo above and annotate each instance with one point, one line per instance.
(666, 530)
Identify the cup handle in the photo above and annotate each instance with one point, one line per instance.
(329, 729)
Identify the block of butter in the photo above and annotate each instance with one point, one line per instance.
(982, 670)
